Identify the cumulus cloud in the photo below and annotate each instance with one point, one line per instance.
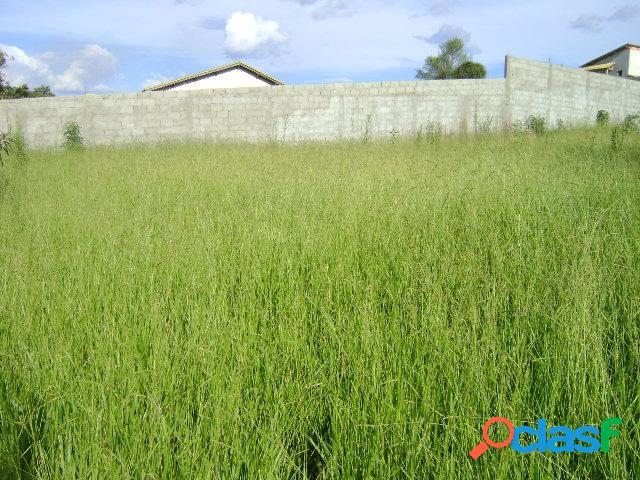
(91, 66)
(23, 68)
(249, 35)
(86, 69)
(447, 32)
(323, 9)
(595, 23)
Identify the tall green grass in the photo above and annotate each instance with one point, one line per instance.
(318, 311)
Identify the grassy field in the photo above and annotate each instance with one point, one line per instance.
(318, 311)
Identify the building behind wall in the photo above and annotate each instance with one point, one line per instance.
(233, 75)
(622, 62)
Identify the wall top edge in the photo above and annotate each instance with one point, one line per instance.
(271, 90)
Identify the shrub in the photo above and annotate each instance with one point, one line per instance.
(602, 118)
(72, 136)
(536, 125)
(470, 70)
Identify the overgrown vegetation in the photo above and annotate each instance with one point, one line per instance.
(319, 311)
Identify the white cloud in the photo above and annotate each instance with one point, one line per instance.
(86, 69)
(92, 65)
(22, 68)
(251, 36)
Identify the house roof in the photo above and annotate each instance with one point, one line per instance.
(612, 52)
(213, 71)
(599, 66)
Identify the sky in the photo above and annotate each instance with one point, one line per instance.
(95, 46)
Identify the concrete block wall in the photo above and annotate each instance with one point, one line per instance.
(568, 94)
(327, 112)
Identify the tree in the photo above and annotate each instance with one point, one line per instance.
(470, 70)
(449, 63)
(44, 91)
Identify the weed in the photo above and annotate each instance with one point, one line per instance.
(73, 139)
(631, 123)
(434, 132)
(617, 136)
(536, 125)
(602, 118)
(19, 145)
(481, 125)
(6, 145)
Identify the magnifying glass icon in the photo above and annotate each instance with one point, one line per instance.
(484, 445)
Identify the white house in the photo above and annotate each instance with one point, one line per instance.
(623, 62)
(232, 75)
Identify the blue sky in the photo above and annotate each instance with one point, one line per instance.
(114, 45)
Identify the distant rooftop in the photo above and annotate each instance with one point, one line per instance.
(595, 61)
(214, 71)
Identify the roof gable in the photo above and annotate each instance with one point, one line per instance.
(216, 71)
(612, 52)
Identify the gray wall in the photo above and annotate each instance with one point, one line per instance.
(328, 112)
(568, 94)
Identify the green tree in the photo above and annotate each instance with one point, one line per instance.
(470, 70)
(451, 62)
(42, 91)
